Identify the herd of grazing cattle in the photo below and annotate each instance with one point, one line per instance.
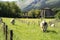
(43, 24)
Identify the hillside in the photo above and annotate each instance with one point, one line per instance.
(33, 4)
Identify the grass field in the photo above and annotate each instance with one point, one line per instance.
(32, 31)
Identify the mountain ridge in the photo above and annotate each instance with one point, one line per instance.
(39, 4)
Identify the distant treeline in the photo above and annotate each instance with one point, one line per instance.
(10, 9)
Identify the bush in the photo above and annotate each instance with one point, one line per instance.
(58, 15)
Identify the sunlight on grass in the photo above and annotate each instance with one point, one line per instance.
(22, 31)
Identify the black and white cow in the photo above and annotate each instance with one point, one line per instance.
(12, 21)
(43, 26)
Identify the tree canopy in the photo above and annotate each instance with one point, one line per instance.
(9, 9)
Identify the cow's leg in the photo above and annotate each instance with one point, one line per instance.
(45, 28)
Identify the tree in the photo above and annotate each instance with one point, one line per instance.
(9, 9)
(34, 13)
(58, 15)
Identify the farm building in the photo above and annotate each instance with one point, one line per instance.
(47, 12)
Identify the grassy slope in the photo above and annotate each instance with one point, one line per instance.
(22, 31)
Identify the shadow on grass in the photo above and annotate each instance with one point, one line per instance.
(52, 31)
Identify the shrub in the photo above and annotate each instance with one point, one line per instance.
(57, 15)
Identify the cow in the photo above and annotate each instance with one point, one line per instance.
(52, 24)
(44, 26)
(12, 21)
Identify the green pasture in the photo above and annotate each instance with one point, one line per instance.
(31, 31)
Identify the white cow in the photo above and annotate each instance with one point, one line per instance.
(52, 25)
(43, 26)
(12, 21)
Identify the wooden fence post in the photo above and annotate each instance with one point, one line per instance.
(6, 32)
(3, 26)
(11, 34)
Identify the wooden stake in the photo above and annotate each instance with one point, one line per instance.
(6, 32)
(11, 34)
